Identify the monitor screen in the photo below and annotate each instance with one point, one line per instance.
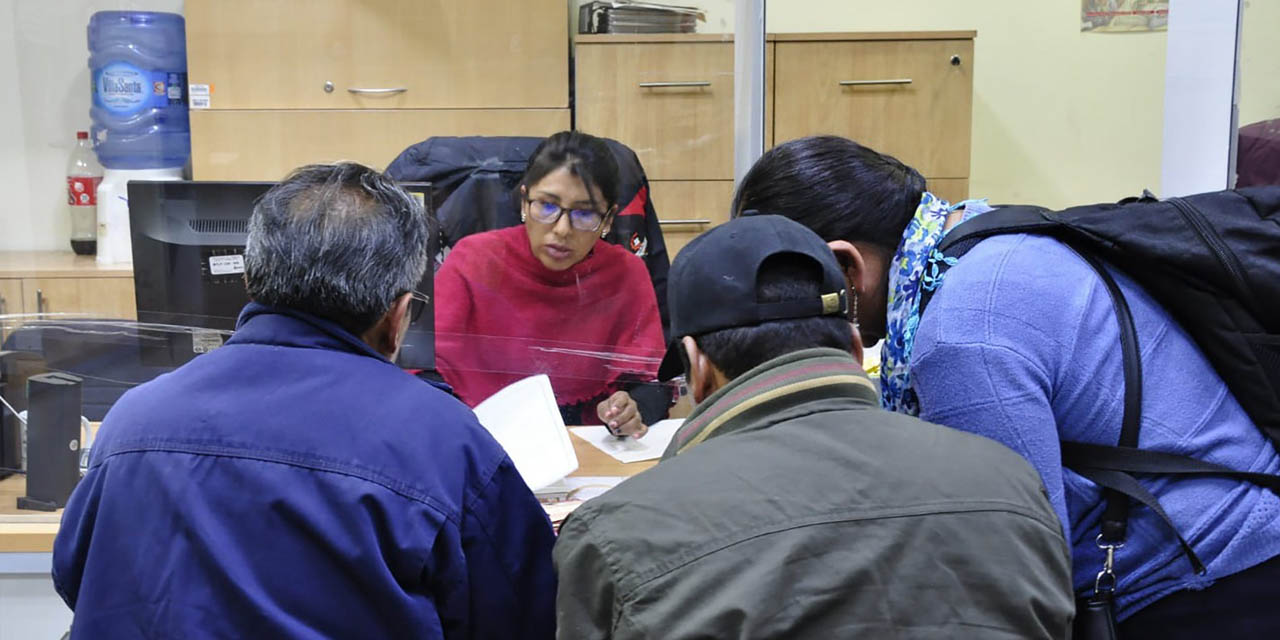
(188, 260)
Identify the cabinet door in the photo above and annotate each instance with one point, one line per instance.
(98, 297)
(10, 304)
(901, 97)
(949, 189)
(672, 103)
(281, 54)
(266, 145)
(687, 208)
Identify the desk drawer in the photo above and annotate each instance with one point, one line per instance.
(267, 145)
(687, 208)
(670, 102)
(901, 97)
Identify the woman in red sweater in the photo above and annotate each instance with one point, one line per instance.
(551, 297)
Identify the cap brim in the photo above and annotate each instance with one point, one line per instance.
(672, 364)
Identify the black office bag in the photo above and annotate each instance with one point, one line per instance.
(1212, 260)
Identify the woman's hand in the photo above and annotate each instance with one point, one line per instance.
(622, 416)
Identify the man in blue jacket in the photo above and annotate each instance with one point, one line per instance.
(295, 483)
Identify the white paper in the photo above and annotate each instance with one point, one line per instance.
(650, 447)
(583, 487)
(524, 419)
(226, 265)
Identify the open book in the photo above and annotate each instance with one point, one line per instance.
(524, 418)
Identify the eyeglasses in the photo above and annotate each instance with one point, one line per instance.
(550, 212)
(418, 302)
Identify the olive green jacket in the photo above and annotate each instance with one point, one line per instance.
(791, 506)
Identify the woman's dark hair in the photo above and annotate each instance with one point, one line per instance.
(836, 187)
(585, 156)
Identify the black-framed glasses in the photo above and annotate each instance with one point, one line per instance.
(550, 212)
(418, 302)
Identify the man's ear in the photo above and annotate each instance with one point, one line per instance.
(703, 377)
(854, 266)
(858, 351)
(388, 334)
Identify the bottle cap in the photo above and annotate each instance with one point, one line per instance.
(82, 135)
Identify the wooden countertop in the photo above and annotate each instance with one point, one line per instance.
(57, 264)
(33, 531)
(641, 38)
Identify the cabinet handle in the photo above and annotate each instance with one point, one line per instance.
(678, 222)
(2, 301)
(381, 92)
(867, 83)
(659, 85)
(39, 301)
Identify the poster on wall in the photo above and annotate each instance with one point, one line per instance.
(1119, 16)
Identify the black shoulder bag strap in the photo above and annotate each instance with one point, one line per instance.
(1095, 614)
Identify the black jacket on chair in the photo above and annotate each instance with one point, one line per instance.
(474, 183)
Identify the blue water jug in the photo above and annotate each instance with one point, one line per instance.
(138, 64)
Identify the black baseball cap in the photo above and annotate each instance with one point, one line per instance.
(713, 281)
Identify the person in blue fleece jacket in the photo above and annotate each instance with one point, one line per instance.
(296, 483)
(1020, 344)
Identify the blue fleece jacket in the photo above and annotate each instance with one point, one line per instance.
(1021, 345)
(296, 484)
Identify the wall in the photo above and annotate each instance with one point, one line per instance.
(44, 57)
(1259, 61)
(1060, 117)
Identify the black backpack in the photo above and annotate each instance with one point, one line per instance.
(1213, 261)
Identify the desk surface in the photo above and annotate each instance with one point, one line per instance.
(33, 531)
(57, 264)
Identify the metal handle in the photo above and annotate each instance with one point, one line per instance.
(2, 301)
(39, 301)
(659, 85)
(380, 92)
(865, 83)
(676, 222)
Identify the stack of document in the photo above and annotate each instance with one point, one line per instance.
(620, 16)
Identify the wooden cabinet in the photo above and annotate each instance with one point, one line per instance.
(388, 54)
(99, 297)
(910, 98)
(686, 208)
(668, 101)
(949, 189)
(39, 282)
(10, 304)
(670, 98)
(266, 145)
(292, 82)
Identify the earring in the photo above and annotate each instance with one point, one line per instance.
(854, 316)
(603, 234)
(524, 217)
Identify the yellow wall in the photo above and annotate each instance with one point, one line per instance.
(1259, 61)
(1060, 117)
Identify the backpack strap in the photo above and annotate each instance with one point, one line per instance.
(1115, 516)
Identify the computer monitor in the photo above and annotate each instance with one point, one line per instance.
(188, 260)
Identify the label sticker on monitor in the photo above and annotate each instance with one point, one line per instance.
(205, 341)
(225, 265)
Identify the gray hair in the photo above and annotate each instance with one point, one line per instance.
(337, 241)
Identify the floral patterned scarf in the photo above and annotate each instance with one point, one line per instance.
(914, 269)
